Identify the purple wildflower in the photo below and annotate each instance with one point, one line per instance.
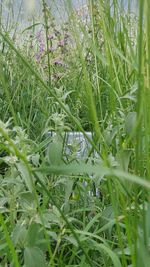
(51, 37)
(58, 62)
(38, 57)
(61, 43)
(52, 49)
(42, 47)
(38, 35)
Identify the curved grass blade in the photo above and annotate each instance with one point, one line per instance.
(9, 242)
(89, 169)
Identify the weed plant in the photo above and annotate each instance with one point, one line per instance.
(91, 73)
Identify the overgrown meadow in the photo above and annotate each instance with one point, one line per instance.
(88, 73)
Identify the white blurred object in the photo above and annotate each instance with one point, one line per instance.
(77, 141)
(72, 140)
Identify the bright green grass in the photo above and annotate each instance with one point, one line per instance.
(48, 217)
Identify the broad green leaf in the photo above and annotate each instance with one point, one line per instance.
(110, 134)
(33, 234)
(53, 235)
(54, 151)
(34, 257)
(143, 257)
(147, 222)
(26, 175)
(27, 200)
(130, 122)
(107, 214)
(123, 158)
(19, 235)
(83, 262)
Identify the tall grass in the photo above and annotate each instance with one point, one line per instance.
(96, 79)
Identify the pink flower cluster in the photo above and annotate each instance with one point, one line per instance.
(58, 49)
(41, 42)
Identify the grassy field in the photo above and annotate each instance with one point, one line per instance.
(89, 73)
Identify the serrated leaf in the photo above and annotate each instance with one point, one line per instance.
(80, 169)
(74, 169)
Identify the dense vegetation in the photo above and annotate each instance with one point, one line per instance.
(91, 73)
